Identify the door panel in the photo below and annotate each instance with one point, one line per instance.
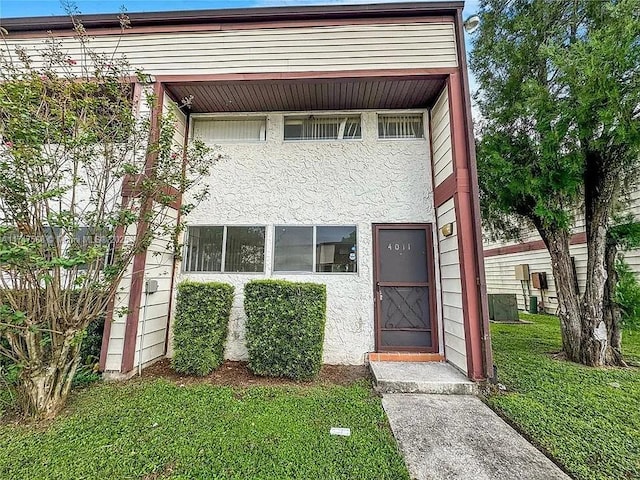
(403, 256)
(405, 307)
(405, 313)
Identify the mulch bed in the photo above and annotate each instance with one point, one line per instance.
(236, 374)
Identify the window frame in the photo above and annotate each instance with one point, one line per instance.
(314, 248)
(194, 117)
(391, 113)
(341, 127)
(223, 252)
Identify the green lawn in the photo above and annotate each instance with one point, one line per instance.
(588, 419)
(157, 429)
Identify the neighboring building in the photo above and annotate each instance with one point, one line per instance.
(349, 161)
(502, 258)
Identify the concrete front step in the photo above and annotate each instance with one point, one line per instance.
(420, 377)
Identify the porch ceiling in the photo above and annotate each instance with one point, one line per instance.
(306, 95)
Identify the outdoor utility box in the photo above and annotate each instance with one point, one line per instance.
(522, 272)
(533, 304)
(152, 286)
(539, 280)
(503, 307)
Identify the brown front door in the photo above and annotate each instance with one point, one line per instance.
(404, 288)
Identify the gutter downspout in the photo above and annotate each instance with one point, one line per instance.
(475, 206)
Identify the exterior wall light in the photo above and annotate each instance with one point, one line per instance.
(447, 230)
(471, 24)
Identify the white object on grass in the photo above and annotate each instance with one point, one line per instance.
(343, 432)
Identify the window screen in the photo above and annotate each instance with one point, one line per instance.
(204, 249)
(401, 126)
(322, 128)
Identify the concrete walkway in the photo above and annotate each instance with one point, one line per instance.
(458, 437)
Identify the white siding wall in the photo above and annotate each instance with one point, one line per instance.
(324, 183)
(451, 284)
(284, 49)
(121, 301)
(441, 138)
(500, 269)
(159, 267)
(119, 321)
(500, 274)
(449, 260)
(154, 322)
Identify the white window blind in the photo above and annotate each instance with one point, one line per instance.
(230, 129)
(224, 249)
(322, 128)
(401, 126)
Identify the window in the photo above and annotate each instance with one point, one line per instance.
(85, 237)
(322, 128)
(224, 249)
(230, 129)
(401, 126)
(320, 249)
(335, 249)
(58, 242)
(292, 250)
(244, 249)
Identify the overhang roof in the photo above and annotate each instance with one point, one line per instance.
(238, 15)
(308, 95)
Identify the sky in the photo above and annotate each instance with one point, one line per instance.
(37, 8)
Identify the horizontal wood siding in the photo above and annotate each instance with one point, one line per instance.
(159, 266)
(500, 275)
(154, 307)
(441, 139)
(500, 269)
(180, 122)
(118, 324)
(451, 285)
(286, 49)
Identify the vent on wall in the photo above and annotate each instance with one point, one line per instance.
(401, 126)
(211, 130)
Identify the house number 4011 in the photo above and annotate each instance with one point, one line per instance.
(399, 247)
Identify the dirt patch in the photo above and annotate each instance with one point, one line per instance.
(164, 473)
(236, 374)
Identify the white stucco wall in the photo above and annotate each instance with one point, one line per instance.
(319, 183)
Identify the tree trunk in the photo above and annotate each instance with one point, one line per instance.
(595, 332)
(43, 389)
(557, 242)
(612, 314)
(598, 327)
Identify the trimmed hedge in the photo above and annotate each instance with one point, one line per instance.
(201, 326)
(285, 327)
